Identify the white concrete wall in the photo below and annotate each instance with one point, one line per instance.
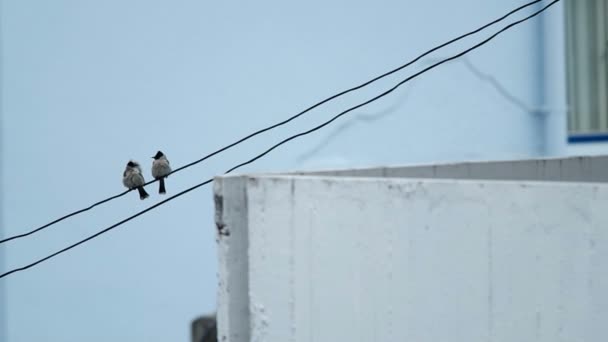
(570, 169)
(233, 263)
(319, 258)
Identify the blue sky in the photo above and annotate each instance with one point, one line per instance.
(88, 85)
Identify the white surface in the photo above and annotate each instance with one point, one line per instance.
(232, 270)
(569, 169)
(594, 148)
(359, 259)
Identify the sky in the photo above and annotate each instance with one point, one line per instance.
(88, 85)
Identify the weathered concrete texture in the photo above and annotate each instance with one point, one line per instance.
(572, 169)
(372, 259)
(231, 223)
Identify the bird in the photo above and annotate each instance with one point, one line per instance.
(132, 178)
(160, 170)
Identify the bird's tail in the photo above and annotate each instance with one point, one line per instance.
(142, 193)
(161, 186)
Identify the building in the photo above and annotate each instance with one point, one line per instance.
(482, 251)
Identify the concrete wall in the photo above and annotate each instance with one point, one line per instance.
(321, 258)
(570, 169)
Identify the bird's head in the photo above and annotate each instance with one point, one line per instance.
(158, 155)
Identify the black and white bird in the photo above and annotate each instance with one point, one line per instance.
(132, 178)
(160, 170)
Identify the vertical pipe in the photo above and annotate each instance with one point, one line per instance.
(552, 67)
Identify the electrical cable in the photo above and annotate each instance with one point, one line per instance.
(283, 142)
(276, 124)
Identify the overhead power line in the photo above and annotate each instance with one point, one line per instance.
(485, 41)
(277, 124)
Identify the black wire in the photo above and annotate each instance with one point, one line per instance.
(280, 123)
(63, 218)
(394, 87)
(357, 87)
(105, 230)
(284, 141)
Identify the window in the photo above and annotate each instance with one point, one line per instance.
(587, 65)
